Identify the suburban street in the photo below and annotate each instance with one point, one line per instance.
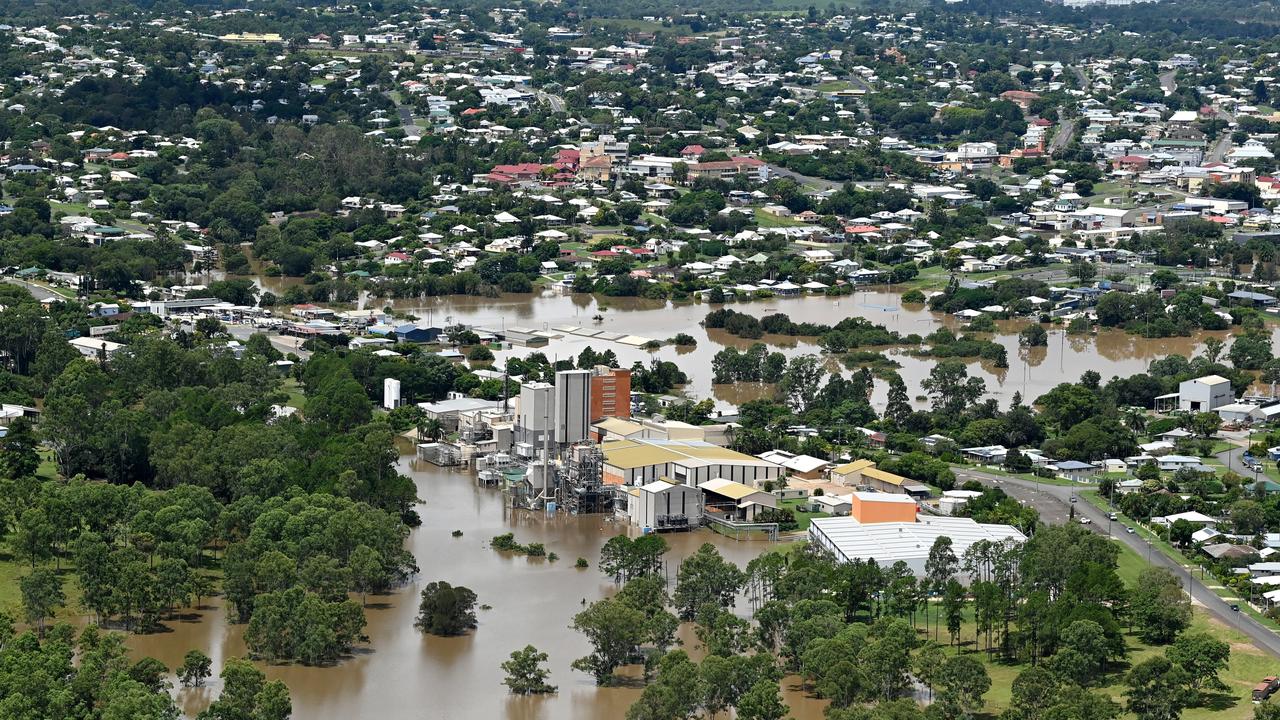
(1169, 82)
(1053, 501)
(555, 101)
(779, 171)
(39, 292)
(1084, 79)
(1062, 138)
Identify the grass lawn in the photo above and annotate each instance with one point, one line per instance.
(1172, 553)
(833, 86)
(13, 570)
(296, 397)
(1222, 446)
(764, 219)
(48, 468)
(1247, 666)
(802, 517)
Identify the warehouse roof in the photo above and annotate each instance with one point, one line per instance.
(890, 542)
(883, 476)
(728, 488)
(854, 466)
(628, 454)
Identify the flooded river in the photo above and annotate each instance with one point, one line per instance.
(402, 674)
(1031, 372)
(405, 675)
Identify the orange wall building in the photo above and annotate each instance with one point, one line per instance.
(610, 393)
(870, 508)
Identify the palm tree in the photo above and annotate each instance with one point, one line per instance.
(1136, 419)
(431, 428)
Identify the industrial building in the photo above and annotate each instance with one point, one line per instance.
(566, 409)
(1202, 394)
(734, 501)
(689, 462)
(805, 467)
(865, 474)
(536, 411)
(661, 505)
(659, 428)
(572, 406)
(610, 393)
(888, 542)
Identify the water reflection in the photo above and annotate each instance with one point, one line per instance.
(1031, 372)
(405, 675)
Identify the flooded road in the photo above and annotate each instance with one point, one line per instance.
(405, 675)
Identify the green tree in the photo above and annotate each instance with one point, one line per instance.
(525, 674)
(42, 595)
(1159, 607)
(367, 573)
(18, 450)
(1033, 335)
(246, 695)
(1083, 652)
(445, 609)
(801, 381)
(195, 668)
(762, 702)
(953, 602)
(1156, 689)
(1203, 657)
(706, 580)
(615, 630)
(951, 391)
(960, 684)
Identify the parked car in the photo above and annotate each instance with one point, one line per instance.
(1085, 521)
(1128, 529)
(1264, 689)
(1112, 516)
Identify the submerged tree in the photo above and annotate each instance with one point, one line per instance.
(446, 610)
(525, 674)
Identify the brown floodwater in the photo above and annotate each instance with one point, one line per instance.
(402, 674)
(1031, 372)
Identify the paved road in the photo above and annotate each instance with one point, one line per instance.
(555, 101)
(779, 171)
(1169, 82)
(39, 292)
(1223, 146)
(1062, 138)
(405, 113)
(1053, 501)
(821, 184)
(1084, 79)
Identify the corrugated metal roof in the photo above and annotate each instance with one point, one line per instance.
(854, 466)
(883, 476)
(642, 453)
(890, 542)
(728, 488)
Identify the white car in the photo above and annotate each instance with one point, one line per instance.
(1085, 521)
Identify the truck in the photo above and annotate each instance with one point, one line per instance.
(1264, 689)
